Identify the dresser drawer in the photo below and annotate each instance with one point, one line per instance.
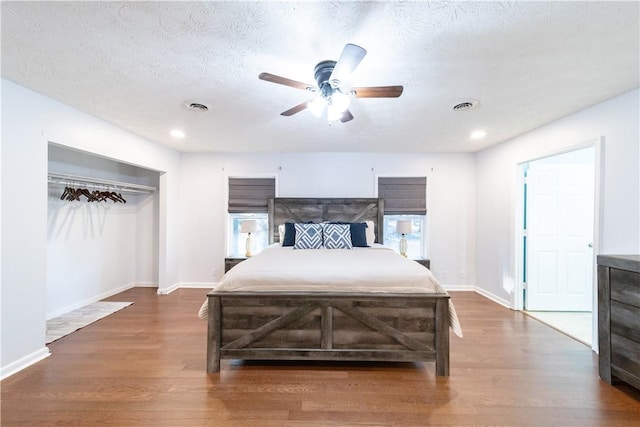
(625, 321)
(624, 357)
(625, 286)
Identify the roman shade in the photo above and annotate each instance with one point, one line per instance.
(250, 195)
(403, 195)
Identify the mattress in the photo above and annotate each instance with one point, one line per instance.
(376, 269)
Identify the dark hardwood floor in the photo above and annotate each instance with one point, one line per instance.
(145, 366)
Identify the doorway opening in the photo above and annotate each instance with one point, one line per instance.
(557, 232)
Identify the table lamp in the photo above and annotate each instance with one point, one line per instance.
(248, 226)
(403, 227)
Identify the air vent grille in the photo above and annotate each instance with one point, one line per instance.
(192, 105)
(198, 106)
(466, 105)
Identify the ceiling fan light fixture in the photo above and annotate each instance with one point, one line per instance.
(317, 106)
(340, 101)
(333, 113)
(331, 77)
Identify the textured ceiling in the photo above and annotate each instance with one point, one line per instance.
(134, 64)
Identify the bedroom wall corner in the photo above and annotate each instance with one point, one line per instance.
(29, 122)
(615, 119)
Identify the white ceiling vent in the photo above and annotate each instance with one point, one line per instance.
(466, 105)
(197, 106)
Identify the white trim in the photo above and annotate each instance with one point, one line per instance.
(225, 194)
(482, 292)
(145, 285)
(494, 298)
(24, 362)
(89, 301)
(598, 144)
(597, 235)
(518, 300)
(425, 247)
(168, 290)
(197, 285)
(459, 288)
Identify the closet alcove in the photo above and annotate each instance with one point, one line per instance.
(102, 228)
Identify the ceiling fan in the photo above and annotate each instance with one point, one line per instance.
(334, 94)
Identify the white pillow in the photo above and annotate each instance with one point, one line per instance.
(371, 233)
(281, 233)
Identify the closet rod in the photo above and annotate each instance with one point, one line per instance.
(71, 180)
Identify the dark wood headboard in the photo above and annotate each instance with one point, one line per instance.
(283, 210)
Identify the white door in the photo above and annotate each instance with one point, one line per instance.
(560, 208)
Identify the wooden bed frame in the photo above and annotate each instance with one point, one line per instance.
(322, 325)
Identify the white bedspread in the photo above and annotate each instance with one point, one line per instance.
(377, 269)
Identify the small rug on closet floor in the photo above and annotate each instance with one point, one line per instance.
(69, 322)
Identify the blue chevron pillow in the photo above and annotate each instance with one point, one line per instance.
(308, 236)
(336, 236)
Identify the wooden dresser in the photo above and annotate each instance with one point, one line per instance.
(619, 318)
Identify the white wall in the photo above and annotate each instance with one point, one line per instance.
(450, 201)
(95, 250)
(617, 121)
(146, 240)
(29, 122)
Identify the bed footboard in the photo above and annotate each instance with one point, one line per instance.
(339, 327)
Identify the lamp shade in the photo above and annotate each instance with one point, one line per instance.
(403, 226)
(249, 226)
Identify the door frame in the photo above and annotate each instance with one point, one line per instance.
(598, 144)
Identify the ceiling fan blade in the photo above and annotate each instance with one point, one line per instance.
(294, 110)
(268, 77)
(349, 59)
(378, 92)
(346, 116)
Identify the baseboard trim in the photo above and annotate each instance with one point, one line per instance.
(24, 362)
(146, 284)
(90, 301)
(463, 288)
(167, 291)
(198, 285)
(494, 298)
(191, 285)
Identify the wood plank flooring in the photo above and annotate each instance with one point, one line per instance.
(145, 366)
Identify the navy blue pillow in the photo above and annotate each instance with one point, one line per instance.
(289, 234)
(358, 233)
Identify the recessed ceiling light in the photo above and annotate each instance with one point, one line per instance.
(477, 134)
(177, 133)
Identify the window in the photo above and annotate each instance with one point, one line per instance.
(248, 199)
(415, 242)
(404, 198)
(238, 240)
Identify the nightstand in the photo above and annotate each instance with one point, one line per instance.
(424, 262)
(233, 260)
